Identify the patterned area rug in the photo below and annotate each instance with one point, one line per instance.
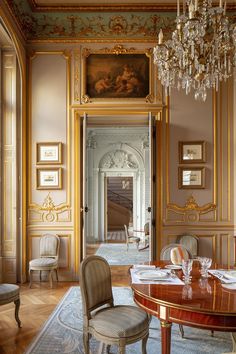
(116, 236)
(62, 333)
(117, 254)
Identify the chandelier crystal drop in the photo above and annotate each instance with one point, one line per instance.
(201, 52)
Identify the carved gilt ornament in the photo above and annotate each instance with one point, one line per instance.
(191, 205)
(48, 210)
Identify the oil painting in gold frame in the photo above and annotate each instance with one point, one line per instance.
(116, 74)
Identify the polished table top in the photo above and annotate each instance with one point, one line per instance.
(202, 295)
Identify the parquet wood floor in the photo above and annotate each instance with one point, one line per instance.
(37, 304)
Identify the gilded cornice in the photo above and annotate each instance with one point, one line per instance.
(103, 7)
(70, 25)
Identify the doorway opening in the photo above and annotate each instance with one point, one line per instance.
(117, 190)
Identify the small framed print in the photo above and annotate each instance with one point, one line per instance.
(49, 178)
(191, 177)
(192, 152)
(48, 153)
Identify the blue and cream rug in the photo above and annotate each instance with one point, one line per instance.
(117, 254)
(62, 333)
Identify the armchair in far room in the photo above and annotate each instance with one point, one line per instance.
(146, 236)
(130, 238)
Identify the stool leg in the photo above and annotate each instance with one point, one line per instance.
(17, 307)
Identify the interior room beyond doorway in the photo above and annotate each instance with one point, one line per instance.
(117, 191)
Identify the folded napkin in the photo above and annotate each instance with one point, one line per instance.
(225, 276)
(143, 266)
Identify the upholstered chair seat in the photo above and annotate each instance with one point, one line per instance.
(110, 324)
(11, 293)
(43, 263)
(120, 321)
(49, 254)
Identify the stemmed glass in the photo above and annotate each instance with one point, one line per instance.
(205, 265)
(187, 268)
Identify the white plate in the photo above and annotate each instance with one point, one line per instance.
(230, 274)
(229, 286)
(152, 275)
(173, 266)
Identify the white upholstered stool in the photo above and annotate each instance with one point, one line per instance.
(10, 293)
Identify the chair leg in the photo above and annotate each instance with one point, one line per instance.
(233, 337)
(86, 342)
(56, 274)
(212, 333)
(181, 329)
(30, 279)
(144, 344)
(50, 278)
(17, 307)
(121, 349)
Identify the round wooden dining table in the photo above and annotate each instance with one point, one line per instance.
(204, 304)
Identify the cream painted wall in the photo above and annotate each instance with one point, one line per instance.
(183, 120)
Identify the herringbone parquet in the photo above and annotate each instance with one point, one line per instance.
(36, 306)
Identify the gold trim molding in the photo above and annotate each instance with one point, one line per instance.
(58, 7)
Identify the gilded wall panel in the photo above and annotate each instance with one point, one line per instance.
(50, 100)
(9, 180)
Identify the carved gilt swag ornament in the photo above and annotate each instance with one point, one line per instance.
(192, 210)
(49, 210)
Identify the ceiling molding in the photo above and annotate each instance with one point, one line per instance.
(95, 7)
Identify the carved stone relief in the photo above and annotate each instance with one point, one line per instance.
(118, 159)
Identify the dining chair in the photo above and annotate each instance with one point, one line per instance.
(146, 235)
(175, 252)
(131, 238)
(165, 254)
(11, 293)
(119, 325)
(191, 242)
(48, 261)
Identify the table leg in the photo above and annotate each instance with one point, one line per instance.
(165, 336)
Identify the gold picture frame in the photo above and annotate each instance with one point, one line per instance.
(191, 177)
(113, 74)
(49, 178)
(192, 152)
(48, 153)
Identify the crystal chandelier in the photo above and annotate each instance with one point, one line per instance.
(201, 52)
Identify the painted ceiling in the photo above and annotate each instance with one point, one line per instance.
(80, 20)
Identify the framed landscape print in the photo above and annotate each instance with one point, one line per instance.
(48, 153)
(191, 177)
(49, 178)
(192, 152)
(118, 73)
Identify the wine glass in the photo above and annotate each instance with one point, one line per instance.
(187, 268)
(205, 265)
